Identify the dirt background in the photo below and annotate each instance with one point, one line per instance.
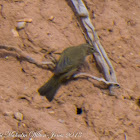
(53, 28)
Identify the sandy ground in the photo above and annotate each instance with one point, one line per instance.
(81, 109)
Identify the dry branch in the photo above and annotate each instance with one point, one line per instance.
(102, 60)
(95, 78)
(23, 56)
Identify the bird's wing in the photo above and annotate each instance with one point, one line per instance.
(64, 65)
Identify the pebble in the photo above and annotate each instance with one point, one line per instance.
(6, 57)
(113, 52)
(24, 125)
(18, 116)
(51, 18)
(51, 112)
(21, 25)
(61, 121)
(15, 32)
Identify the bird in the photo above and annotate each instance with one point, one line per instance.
(70, 61)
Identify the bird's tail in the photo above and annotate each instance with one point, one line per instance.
(50, 88)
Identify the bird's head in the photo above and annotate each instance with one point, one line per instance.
(89, 49)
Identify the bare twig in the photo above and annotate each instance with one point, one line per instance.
(26, 57)
(1, 11)
(95, 78)
(125, 136)
(102, 59)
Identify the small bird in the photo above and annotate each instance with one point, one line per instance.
(70, 61)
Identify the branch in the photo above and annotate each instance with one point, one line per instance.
(26, 57)
(102, 59)
(95, 78)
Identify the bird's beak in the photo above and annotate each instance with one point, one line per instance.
(95, 51)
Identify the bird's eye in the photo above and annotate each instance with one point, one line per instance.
(92, 49)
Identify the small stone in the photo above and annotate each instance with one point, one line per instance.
(18, 116)
(61, 121)
(120, 47)
(24, 125)
(21, 25)
(15, 32)
(51, 112)
(6, 57)
(119, 57)
(113, 52)
(51, 18)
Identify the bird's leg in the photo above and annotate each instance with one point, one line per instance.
(51, 65)
(69, 74)
(96, 78)
(53, 59)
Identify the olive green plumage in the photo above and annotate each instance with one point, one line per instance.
(68, 64)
